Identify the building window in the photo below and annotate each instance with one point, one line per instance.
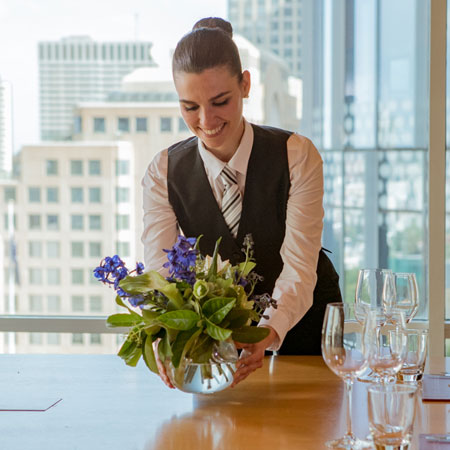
(76, 167)
(77, 303)
(122, 167)
(165, 124)
(52, 222)
(35, 338)
(77, 338)
(35, 303)
(77, 249)
(90, 276)
(7, 221)
(76, 195)
(35, 249)
(34, 222)
(53, 339)
(51, 167)
(141, 124)
(95, 222)
(182, 127)
(9, 194)
(95, 195)
(95, 303)
(76, 222)
(34, 194)
(77, 124)
(123, 249)
(77, 276)
(95, 167)
(122, 194)
(122, 222)
(35, 275)
(54, 303)
(52, 195)
(123, 124)
(53, 276)
(95, 249)
(53, 249)
(99, 125)
(96, 339)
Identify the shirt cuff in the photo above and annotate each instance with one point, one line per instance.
(279, 322)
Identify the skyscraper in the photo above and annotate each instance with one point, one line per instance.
(274, 25)
(77, 69)
(6, 140)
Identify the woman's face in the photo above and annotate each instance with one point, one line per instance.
(211, 105)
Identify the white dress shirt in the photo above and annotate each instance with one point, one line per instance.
(304, 221)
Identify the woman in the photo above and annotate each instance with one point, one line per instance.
(276, 181)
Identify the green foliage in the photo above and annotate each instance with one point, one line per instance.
(250, 335)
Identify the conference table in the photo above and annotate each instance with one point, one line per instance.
(84, 402)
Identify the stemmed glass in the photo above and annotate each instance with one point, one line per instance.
(344, 352)
(406, 296)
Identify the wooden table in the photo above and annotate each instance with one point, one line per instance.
(294, 402)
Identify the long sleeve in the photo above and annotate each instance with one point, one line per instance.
(300, 250)
(160, 222)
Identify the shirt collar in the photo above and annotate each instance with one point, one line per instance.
(238, 162)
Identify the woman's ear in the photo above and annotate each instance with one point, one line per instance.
(245, 83)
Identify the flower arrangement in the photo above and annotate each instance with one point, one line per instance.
(202, 302)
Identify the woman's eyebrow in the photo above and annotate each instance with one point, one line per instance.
(182, 100)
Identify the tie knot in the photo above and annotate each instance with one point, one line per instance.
(228, 176)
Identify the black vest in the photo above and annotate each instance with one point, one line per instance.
(263, 215)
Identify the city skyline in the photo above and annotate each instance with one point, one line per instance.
(23, 23)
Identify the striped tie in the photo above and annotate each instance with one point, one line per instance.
(231, 200)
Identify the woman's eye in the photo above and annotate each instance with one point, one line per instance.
(221, 103)
(190, 108)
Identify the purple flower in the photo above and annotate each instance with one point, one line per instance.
(181, 259)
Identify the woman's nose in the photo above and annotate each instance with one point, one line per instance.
(206, 118)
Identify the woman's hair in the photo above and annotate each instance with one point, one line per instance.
(210, 44)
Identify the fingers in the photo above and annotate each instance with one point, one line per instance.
(248, 363)
(161, 368)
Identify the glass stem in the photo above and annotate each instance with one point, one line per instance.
(348, 405)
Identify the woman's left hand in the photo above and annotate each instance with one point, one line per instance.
(252, 356)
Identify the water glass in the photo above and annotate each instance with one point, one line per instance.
(416, 355)
(391, 415)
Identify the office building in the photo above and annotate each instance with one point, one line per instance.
(6, 135)
(77, 69)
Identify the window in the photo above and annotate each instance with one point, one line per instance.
(52, 195)
(90, 276)
(123, 124)
(77, 303)
(35, 249)
(6, 216)
(95, 249)
(52, 222)
(77, 124)
(99, 125)
(77, 276)
(95, 195)
(34, 222)
(96, 339)
(35, 275)
(53, 339)
(76, 222)
(141, 124)
(77, 338)
(35, 338)
(51, 167)
(53, 276)
(34, 194)
(53, 249)
(95, 303)
(35, 303)
(122, 194)
(123, 249)
(54, 303)
(166, 124)
(76, 194)
(122, 222)
(95, 167)
(76, 167)
(9, 194)
(77, 249)
(122, 167)
(182, 127)
(95, 222)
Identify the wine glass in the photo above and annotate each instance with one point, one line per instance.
(406, 294)
(344, 352)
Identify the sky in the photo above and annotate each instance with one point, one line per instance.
(23, 23)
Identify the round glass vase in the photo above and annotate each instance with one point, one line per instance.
(205, 378)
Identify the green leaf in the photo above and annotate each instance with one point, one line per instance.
(250, 335)
(141, 284)
(212, 272)
(218, 333)
(123, 320)
(179, 346)
(202, 350)
(238, 317)
(150, 316)
(173, 294)
(130, 352)
(215, 309)
(149, 355)
(179, 320)
(246, 267)
(164, 348)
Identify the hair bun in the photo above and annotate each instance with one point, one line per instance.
(215, 22)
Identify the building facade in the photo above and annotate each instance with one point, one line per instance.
(6, 134)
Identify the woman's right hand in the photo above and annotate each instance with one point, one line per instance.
(160, 365)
